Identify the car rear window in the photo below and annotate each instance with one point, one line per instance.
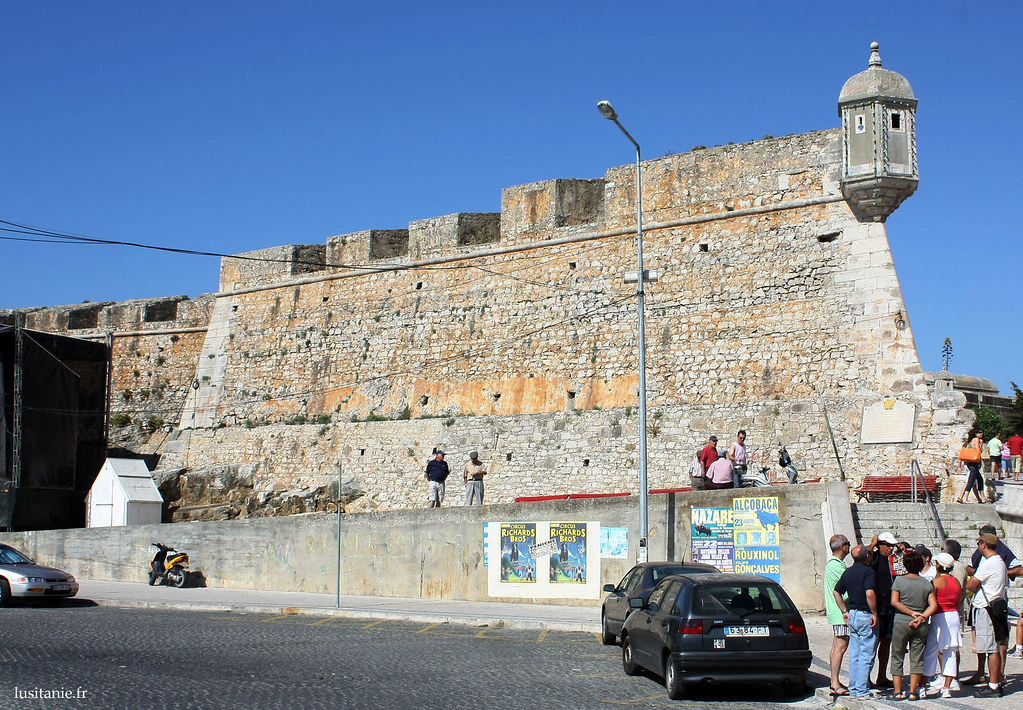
(718, 599)
(660, 573)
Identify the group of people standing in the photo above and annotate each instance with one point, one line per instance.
(437, 473)
(1005, 455)
(896, 599)
(722, 468)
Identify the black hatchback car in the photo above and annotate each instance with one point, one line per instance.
(636, 584)
(717, 628)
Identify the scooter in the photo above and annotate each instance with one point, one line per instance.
(168, 566)
(761, 478)
(785, 461)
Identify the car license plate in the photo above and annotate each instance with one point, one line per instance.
(61, 587)
(747, 631)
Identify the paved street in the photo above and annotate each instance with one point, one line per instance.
(106, 657)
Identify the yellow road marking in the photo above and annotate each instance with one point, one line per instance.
(275, 618)
(543, 635)
(481, 633)
(323, 621)
(374, 623)
(427, 628)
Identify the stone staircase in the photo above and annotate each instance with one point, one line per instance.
(913, 523)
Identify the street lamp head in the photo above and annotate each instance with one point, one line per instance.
(606, 110)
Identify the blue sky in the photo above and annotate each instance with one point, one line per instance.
(234, 126)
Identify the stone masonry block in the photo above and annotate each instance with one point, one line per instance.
(545, 206)
(268, 266)
(358, 248)
(442, 235)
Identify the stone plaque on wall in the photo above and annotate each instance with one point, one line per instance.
(888, 422)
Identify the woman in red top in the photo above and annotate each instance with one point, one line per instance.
(944, 636)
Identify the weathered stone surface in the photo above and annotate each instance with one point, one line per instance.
(515, 335)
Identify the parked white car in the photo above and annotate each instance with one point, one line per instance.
(21, 577)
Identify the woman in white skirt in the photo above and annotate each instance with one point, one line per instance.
(944, 637)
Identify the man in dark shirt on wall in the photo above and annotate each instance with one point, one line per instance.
(436, 473)
(860, 613)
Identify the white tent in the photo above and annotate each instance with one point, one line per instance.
(124, 494)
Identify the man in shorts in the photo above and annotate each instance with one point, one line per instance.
(833, 571)
(436, 473)
(989, 585)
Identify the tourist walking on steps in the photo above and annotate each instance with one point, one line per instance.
(436, 473)
(860, 611)
(975, 480)
(914, 602)
(1015, 443)
(945, 636)
(833, 571)
(994, 451)
(1006, 458)
(473, 475)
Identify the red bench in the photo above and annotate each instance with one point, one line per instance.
(537, 499)
(892, 484)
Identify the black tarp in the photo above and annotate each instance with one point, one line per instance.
(62, 424)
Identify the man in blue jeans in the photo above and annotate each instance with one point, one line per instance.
(859, 610)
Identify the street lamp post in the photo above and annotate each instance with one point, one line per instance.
(608, 112)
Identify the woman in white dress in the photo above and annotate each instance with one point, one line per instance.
(944, 637)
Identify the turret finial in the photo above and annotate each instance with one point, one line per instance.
(875, 56)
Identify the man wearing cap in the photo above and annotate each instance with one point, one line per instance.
(885, 572)
(1012, 563)
(719, 475)
(436, 474)
(709, 454)
(860, 613)
(473, 475)
(989, 584)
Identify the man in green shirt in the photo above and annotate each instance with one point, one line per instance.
(994, 448)
(833, 570)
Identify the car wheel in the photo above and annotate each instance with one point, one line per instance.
(5, 592)
(606, 637)
(177, 577)
(673, 681)
(794, 688)
(628, 664)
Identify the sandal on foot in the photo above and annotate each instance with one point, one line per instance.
(840, 691)
(900, 696)
(912, 696)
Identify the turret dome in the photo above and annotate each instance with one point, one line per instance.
(875, 83)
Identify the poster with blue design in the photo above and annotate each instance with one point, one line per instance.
(568, 564)
(517, 562)
(711, 536)
(756, 521)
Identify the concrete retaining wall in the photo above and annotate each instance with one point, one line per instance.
(421, 553)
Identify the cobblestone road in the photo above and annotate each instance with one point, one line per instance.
(98, 657)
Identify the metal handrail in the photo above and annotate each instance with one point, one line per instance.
(914, 473)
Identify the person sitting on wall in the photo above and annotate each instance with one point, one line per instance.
(719, 475)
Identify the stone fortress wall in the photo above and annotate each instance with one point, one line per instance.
(514, 334)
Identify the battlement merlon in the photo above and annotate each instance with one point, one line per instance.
(137, 315)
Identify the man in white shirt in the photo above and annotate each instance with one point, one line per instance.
(989, 585)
